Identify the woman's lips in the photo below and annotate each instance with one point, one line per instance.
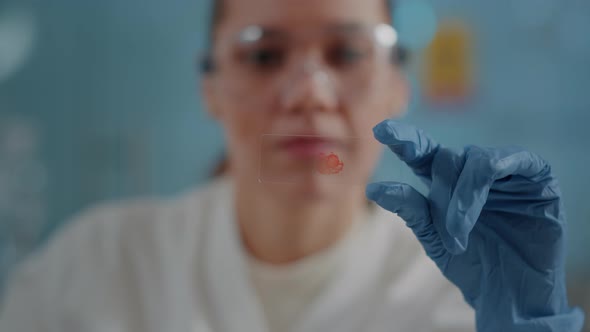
(306, 147)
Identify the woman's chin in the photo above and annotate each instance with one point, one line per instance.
(312, 189)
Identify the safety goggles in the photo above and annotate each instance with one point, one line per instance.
(346, 61)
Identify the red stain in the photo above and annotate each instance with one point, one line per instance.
(329, 164)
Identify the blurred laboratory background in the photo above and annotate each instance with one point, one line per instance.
(99, 101)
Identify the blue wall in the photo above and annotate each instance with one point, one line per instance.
(112, 88)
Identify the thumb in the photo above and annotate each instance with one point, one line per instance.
(414, 209)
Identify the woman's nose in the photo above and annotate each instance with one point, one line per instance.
(309, 88)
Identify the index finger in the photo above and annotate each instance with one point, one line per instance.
(410, 144)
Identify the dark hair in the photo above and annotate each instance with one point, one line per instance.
(207, 64)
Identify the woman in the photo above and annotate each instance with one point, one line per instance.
(278, 247)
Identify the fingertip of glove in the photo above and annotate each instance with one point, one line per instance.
(374, 190)
(384, 130)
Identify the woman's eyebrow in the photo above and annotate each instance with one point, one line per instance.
(345, 27)
(256, 33)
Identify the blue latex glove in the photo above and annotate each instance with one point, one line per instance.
(493, 223)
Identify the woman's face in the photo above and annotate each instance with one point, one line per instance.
(298, 78)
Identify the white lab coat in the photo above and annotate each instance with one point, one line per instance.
(178, 265)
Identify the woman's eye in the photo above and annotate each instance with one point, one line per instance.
(264, 58)
(345, 55)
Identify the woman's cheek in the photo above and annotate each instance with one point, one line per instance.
(363, 121)
(246, 130)
(244, 124)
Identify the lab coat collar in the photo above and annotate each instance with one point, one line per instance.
(232, 298)
(349, 301)
(345, 305)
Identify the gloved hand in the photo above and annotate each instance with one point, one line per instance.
(493, 223)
